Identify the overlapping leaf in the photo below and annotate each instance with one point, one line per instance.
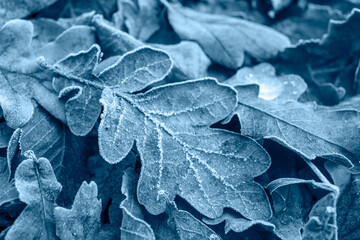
(180, 154)
(108, 178)
(313, 23)
(115, 43)
(21, 74)
(348, 211)
(133, 225)
(216, 34)
(300, 126)
(141, 17)
(83, 220)
(42, 134)
(322, 220)
(132, 72)
(188, 57)
(270, 86)
(14, 36)
(83, 109)
(291, 204)
(21, 8)
(170, 125)
(324, 58)
(38, 188)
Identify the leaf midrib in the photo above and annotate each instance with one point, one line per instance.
(35, 164)
(126, 97)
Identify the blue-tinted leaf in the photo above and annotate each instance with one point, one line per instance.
(270, 85)
(133, 226)
(357, 79)
(47, 30)
(348, 211)
(45, 136)
(72, 40)
(188, 57)
(322, 220)
(20, 72)
(180, 154)
(225, 39)
(83, 109)
(300, 126)
(278, 5)
(188, 227)
(313, 23)
(339, 174)
(38, 188)
(16, 35)
(141, 17)
(17, 109)
(180, 225)
(83, 19)
(322, 59)
(104, 7)
(113, 41)
(20, 8)
(132, 72)
(342, 34)
(48, 100)
(83, 220)
(118, 128)
(291, 204)
(7, 191)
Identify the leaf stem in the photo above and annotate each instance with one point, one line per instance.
(321, 176)
(318, 173)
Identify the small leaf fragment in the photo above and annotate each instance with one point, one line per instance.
(83, 220)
